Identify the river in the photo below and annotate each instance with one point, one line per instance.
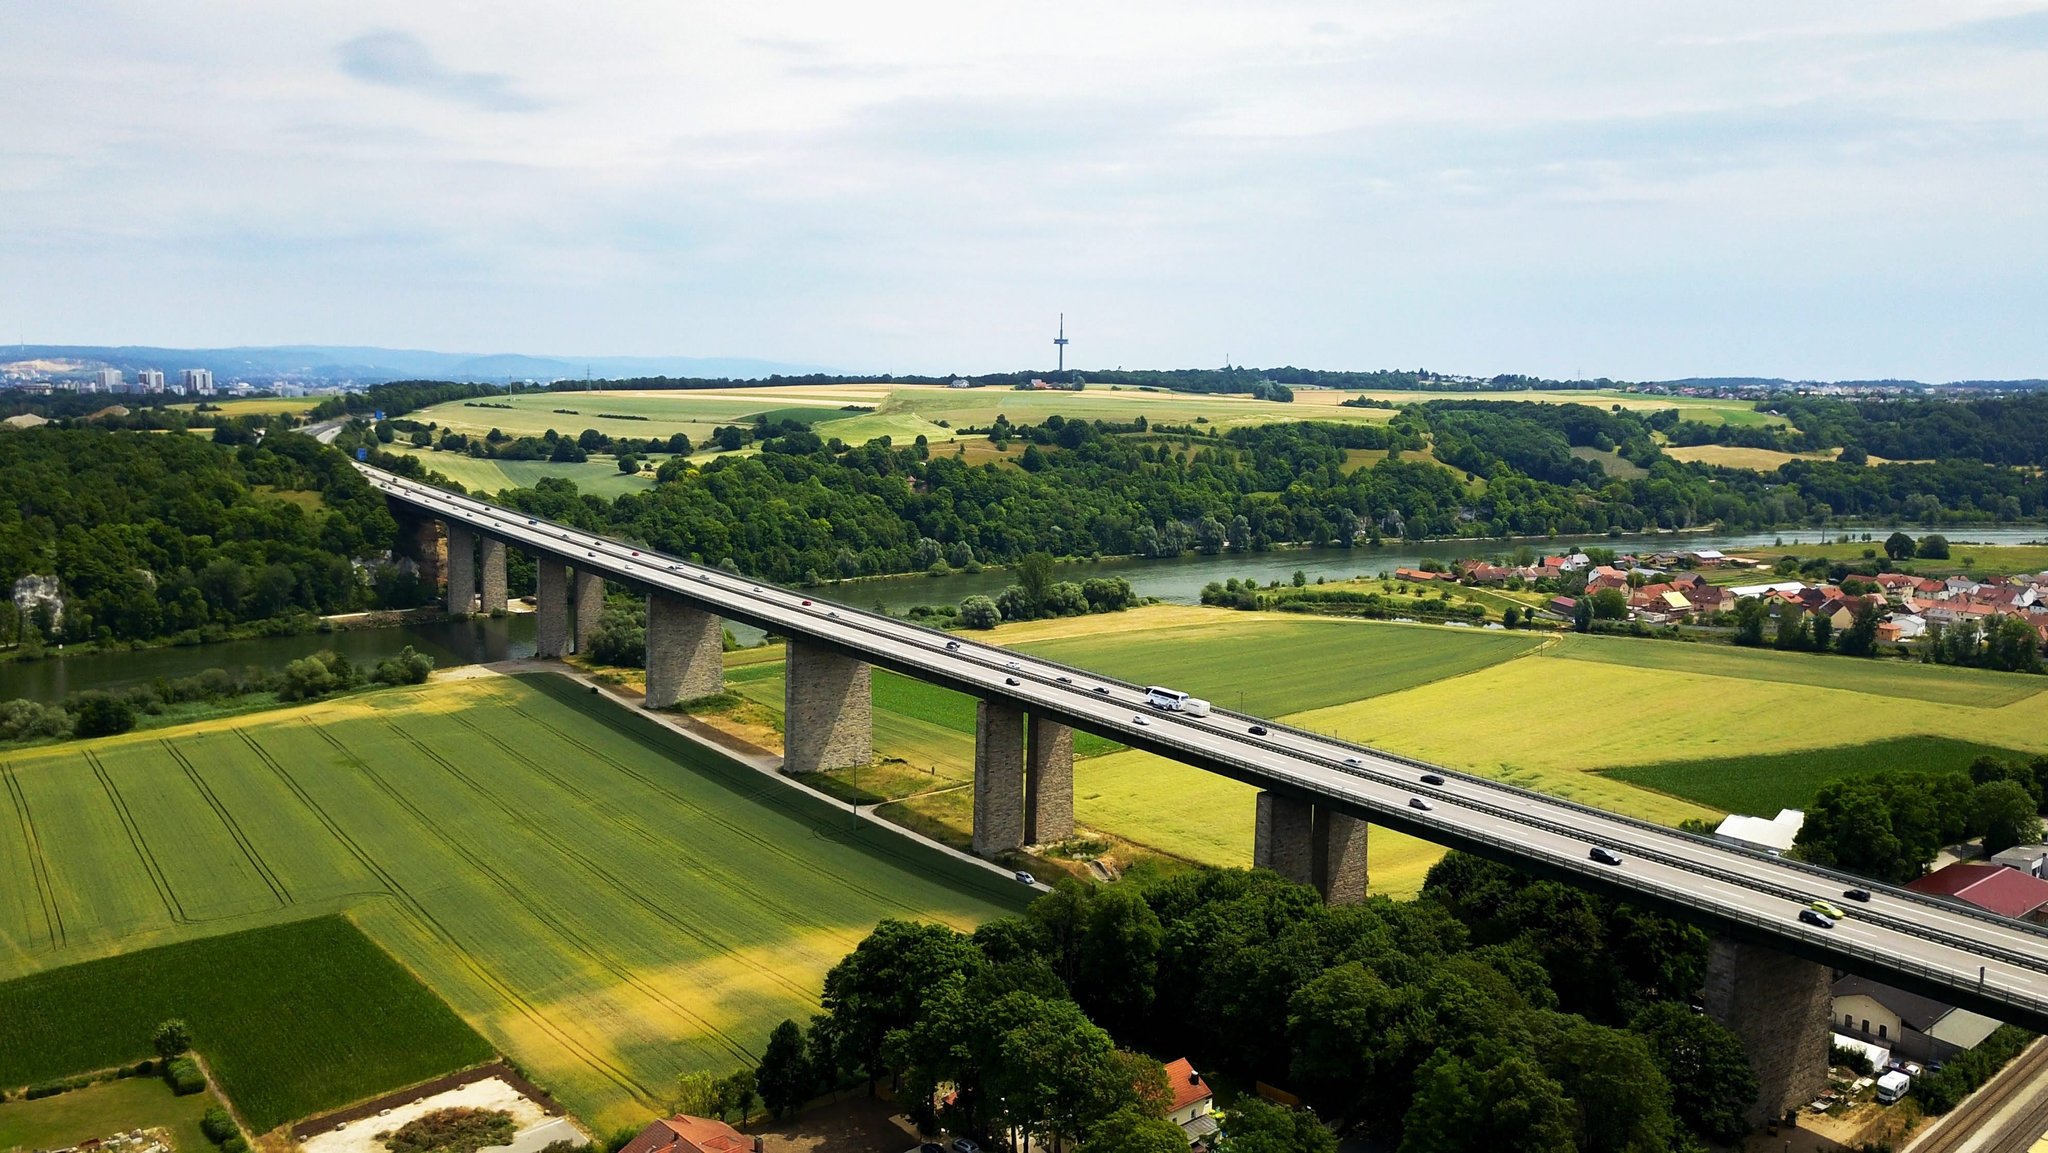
(1177, 580)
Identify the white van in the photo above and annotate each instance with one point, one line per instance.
(1892, 1086)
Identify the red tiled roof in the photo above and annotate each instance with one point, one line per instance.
(1186, 1085)
(2007, 892)
(683, 1133)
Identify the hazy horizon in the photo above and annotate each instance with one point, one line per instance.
(1832, 191)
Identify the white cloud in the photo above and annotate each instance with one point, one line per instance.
(1837, 188)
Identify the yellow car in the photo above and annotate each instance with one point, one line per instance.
(1829, 910)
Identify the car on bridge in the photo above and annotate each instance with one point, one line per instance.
(1817, 920)
(1828, 909)
(1419, 803)
(1432, 778)
(1604, 855)
(1856, 894)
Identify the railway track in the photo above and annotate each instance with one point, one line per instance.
(1963, 1128)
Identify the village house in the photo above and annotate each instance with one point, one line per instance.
(1994, 888)
(683, 1133)
(1910, 1026)
(1192, 1100)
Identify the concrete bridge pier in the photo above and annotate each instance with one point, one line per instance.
(1049, 783)
(998, 778)
(551, 609)
(419, 540)
(1311, 845)
(685, 652)
(589, 608)
(1778, 1005)
(827, 710)
(491, 573)
(461, 570)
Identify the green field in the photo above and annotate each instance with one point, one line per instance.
(599, 476)
(1761, 785)
(606, 902)
(292, 1019)
(1705, 409)
(62, 1121)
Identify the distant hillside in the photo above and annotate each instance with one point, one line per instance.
(344, 362)
(1781, 382)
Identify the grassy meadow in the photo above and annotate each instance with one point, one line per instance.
(62, 1121)
(1764, 783)
(607, 903)
(292, 1019)
(599, 476)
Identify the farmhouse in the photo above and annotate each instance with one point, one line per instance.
(1913, 1027)
(1996, 888)
(683, 1133)
(1192, 1099)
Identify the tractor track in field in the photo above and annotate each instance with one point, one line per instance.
(234, 829)
(669, 846)
(432, 926)
(38, 865)
(913, 861)
(533, 907)
(172, 905)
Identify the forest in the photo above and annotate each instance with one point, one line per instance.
(1495, 1012)
(174, 536)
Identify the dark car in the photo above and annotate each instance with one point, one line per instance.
(1009, 680)
(952, 646)
(1419, 803)
(1818, 920)
(931, 1147)
(1856, 894)
(1100, 689)
(1258, 730)
(1065, 680)
(1432, 779)
(1605, 856)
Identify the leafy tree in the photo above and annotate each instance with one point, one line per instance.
(628, 463)
(979, 612)
(1255, 1126)
(1860, 638)
(1503, 1103)
(102, 714)
(2008, 814)
(172, 1038)
(1750, 613)
(1034, 576)
(1623, 1100)
(1133, 1130)
(880, 986)
(1933, 547)
(1899, 546)
(1119, 958)
(785, 1078)
(1712, 1085)
(1337, 1024)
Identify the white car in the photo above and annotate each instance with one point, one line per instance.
(1139, 719)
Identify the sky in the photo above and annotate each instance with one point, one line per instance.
(1822, 189)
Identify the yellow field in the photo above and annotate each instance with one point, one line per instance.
(1736, 456)
(258, 405)
(1706, 410)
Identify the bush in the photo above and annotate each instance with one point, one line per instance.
(218, 1125)
(407, 668)
(979, 612)
(452, 1131)
(184, 1076)
(1943, 1091)
(235, 1144)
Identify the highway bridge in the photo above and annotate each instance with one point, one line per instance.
(1770, 971)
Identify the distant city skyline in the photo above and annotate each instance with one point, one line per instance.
(1825, 191)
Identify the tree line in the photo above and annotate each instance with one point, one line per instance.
(1889, 826)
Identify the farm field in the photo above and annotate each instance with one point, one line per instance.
(609, 904)
(254, 999)
(1766, 783)
(1739, 456)
(2002, 559)
(1706, 410)
(599, 476)
(258, 405)
(62, 1121)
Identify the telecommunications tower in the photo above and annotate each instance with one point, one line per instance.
(1060, 342)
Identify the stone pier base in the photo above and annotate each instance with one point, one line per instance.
(998, 778)
(491, 574)
(551, 609)
(419, 540)
(1283, 836)
(1778, 1005)
(1339, 845)
(827, 711)
(589, 608)
(685, 652)
(1049, 783)
(461, 570)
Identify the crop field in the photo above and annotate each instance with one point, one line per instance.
(1740, 456)
(1765, 783)
(1706, 410)
(258, 405)
(2003, 559)
(607, 903)
(599, 476)
(62, 1121)
(292, 1018)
